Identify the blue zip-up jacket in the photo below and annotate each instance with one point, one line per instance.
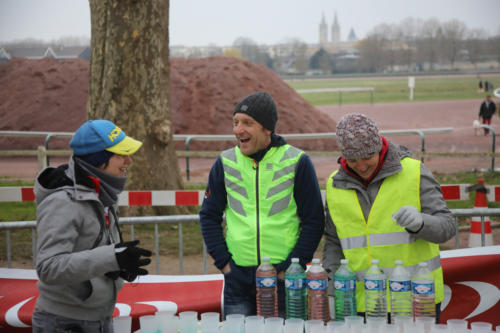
(307, 195)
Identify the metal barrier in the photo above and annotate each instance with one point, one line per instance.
(156, 220)
(493, 138)
(180, 219)
(229, 137)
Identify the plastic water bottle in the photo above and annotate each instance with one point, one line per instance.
(400, 288)
(267, 292)
(375, 292)
(296, 294)
(317, 292)
(345, 291)
(424, 292)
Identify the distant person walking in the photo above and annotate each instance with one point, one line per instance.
(488, 86)
(487, 111)
(480, 87)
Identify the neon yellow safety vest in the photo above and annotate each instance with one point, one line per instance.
(261, 214)
(380, 237)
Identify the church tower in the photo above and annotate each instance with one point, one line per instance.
(335, 30)
(352, 36)
(323, 32)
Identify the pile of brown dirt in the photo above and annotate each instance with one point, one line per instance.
(51, 95)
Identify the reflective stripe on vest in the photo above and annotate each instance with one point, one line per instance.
(380, 237)
(261, 214)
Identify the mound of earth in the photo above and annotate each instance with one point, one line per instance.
(51, 95)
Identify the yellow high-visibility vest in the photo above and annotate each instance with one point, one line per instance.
(261, 214)
(380, 237)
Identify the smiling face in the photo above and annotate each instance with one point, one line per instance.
(364, 167)
(250, 134)
(117, 165)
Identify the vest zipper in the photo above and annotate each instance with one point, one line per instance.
(256, 167)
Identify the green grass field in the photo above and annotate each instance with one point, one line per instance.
(390, 90)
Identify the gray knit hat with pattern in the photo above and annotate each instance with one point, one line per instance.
(357, 136)
(260, 106)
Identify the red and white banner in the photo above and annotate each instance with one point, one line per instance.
(145, 296)
(179, 198)
(472, 284)
(472, 291)
(127, 198)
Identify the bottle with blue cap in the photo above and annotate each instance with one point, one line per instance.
(345, 291)
(267, 292)
(423, 289)
(400, 289)
(375, 291)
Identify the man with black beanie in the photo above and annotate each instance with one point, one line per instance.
(270, 195)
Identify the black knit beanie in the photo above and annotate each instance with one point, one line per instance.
(260, 106)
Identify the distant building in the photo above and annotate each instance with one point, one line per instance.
(330, 38)
(323, 32)
(4, 56)
(352, 36)
(335, 30)
(40, 52)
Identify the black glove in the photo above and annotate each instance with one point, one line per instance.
(129, 258)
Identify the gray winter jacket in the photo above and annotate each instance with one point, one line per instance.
(74, 248)
(439, 225)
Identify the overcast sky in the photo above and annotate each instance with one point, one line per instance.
(220, 22)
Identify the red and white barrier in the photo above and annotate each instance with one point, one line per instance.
(148, 294)
(472, 284)
(127, 198)
(179, 198)
(471, 276)
(455, 192)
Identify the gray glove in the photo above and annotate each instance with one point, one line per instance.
(408, 217)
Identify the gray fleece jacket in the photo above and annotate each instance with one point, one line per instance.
(74, 246)
(439, 225)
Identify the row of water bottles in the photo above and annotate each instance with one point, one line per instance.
(306, 292)
(410, 296)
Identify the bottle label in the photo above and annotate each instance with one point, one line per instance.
(345, 285)
(400, 286)
(317, 284)
(295, 284)
(266, 282)
(376, 285)
(423, 288)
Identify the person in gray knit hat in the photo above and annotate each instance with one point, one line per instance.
(358, 136)
(381, 194)
(270, 196)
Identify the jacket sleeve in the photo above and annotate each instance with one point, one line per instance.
(60, 223)
(439, 224)
(307, 196)
(211, 216)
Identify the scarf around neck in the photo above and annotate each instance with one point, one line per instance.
(108, 187)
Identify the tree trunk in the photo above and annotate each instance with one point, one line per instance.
(129, 84)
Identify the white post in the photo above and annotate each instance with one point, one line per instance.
(411, 85)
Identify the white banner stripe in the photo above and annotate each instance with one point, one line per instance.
(10, 194)
(123, 199)
(163, 198)
(464, 195)
(201, 196)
